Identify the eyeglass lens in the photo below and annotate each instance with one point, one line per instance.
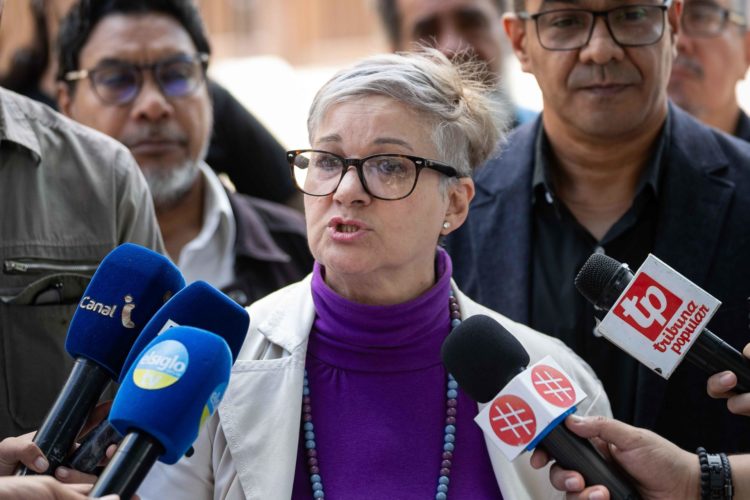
(629, 25)
(388, 177)
(703, 19)
(120, 82)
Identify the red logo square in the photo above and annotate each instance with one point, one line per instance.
(647, 306)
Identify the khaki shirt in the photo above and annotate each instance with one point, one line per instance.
(68, 195)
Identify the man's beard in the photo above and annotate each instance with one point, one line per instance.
(170, 185)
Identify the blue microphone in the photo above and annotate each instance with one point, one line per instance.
(171, 388)
(128, 287)
(199, 305)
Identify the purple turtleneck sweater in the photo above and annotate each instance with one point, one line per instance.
(377, 389)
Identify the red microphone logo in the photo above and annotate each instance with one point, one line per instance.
(647, 306)
(553, 386)
(513, 420)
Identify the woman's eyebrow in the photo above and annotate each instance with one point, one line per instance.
(393, 140)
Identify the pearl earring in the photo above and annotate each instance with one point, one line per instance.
(446, 225)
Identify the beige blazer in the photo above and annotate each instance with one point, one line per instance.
(248, 449)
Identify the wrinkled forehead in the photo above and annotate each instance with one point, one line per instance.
(137, 37)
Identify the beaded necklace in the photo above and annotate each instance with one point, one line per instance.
(449, 434)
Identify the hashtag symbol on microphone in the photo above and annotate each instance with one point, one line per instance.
(553, 386)
(512, 419)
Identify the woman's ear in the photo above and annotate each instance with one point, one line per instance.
(460, 195)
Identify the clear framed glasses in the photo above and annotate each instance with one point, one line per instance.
(708, 19)
(384, 176)
(119, 82)
(571, 29)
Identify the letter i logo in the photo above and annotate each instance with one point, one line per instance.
(127, 322)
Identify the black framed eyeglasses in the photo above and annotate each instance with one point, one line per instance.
(571, 29)
(384, 176)
(119, 82)
(708, 19)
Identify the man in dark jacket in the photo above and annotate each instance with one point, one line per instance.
(136, 70)
(611, 167)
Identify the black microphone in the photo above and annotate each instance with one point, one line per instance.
(483, 357)
(602, 280)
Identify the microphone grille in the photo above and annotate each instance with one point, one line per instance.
(483, 356)
(594, 276)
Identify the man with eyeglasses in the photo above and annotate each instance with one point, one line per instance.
(713, 54)
(457, 28)
(612, 167)
(68, 196)
(136, 70)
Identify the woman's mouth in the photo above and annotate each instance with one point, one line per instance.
(346, 228)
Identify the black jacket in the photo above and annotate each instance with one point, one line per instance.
(703, 231)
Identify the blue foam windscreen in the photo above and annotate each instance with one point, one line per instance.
(202, 306)
(128, 287)
(172, 387)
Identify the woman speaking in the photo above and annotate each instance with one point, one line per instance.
(339, 391)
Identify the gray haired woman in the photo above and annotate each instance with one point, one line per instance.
(339, 390)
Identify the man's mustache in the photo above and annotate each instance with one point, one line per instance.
(590, 75)
(688, 64)
(153, 134)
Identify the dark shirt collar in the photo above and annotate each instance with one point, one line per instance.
(541, 180)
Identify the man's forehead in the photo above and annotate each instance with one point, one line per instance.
(142, 38)
(534, 5)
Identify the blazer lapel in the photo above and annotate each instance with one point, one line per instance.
(502, 226)
(265, 392)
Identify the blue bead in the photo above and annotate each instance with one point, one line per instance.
(450, 429)
(309, 445)
(442, 488)
(452, 393)
(317, 487)
(448, 447)
(441, 496)
(308, 426)
(315, 478)
(305, 391)
(450, 438)
(455, 322)
(444, 480)
(310, 436)
(452, 384)
(319, 494)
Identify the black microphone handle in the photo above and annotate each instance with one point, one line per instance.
(576, 453)
(128, 468)
(713, 355)
(93, 448)
(85, 384)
